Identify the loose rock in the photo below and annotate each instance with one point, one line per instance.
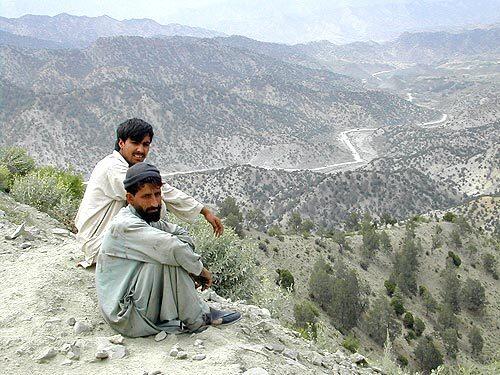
(46, 354)
(358, 359)
(116, 339)
(275, 347)
(25, 245)
(162, 335)
(199, 357)
(19, 231)
(181, 355)
(71, 321)
(81, 327)
(198, 342)
(101, 354)
(173, 352)
(117, 351)
(292, 354)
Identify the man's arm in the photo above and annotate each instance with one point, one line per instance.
(187, 208)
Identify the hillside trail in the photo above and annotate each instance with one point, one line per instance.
(50, 321)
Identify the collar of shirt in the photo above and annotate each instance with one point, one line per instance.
(119, 156)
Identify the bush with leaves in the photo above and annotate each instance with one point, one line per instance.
(449, 217)
(490, 264)
(390, 287)
(476, 341)
(17, 160)
(451, 288)
(473, 295)
(397, 305)
(338, 292)
(230, 212)
(450, 341)
(454, 258)
(285, 279)
(230, 259)
(419, 326)
(427, 355)
(381, 319)
(429, 302)
(6, 178)
(340, 238)
(446, 318)
(306, 317)
(385, 242)
(408, 320)
(351, 343)
(406, 264)
(455, 238)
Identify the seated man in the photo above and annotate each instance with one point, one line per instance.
(146, 266)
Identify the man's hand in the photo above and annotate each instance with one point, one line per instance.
(214, 221)
(204, 279)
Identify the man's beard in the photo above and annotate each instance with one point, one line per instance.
(149, 215)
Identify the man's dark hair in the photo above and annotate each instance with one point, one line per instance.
(135, 129)
(133, 189)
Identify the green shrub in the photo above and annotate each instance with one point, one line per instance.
(67, 180)
(410, 335)
(422, 289)
(230, 259)
(41, 192)
(419, 326)
(473, 295)
(381, 320)
(6, 178)
(274, 231)
(397, 305)
(17, 160)
(403, 361)
(476, 341)
(306, 318)
(351, 343)
(427, 355)
(455, 258)
(408, 320)
(390, 287)
(449, 216)
(285, 279)
(490, 264)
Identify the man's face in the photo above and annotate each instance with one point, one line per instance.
(147, 202)
(133, 151)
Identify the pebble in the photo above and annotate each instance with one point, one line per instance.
(71, 321)
(116, 339)
(174, 352)
(67, 362)
(157, 372)
(25, 245)
(256, 371)
(162, 335)
(275, 347)
(81, 327)
(199, 357)
(101, 354)
(52, 320)
(19, 230)
(60, 231)
(292, 354)
(264, 327)
(2, 213)
(46, 354)
(198, 342)
(117, 351)
(182, 355)
(358, 359)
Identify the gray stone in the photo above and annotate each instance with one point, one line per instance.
(292, 354)
(71, 321)
(2, 213)
(264, 327)
(157, 372)
(60, 231)
(18, 232)
(358, 359)
(25, 245)
(116, 339)
(199, 357)
(81, 327)
(275, 347)
(198, 342)
(46, 354)
(162, 335)
(173, 352)
(117, 351)
(182, 355)
(256, 371)
(52, 320)
(101, 354)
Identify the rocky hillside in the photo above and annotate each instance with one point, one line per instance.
(211, 105)
(50, 322)
(65, 30)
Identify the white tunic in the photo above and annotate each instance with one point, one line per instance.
(105, 196)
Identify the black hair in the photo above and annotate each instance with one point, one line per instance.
(135, 129)
(133, 189)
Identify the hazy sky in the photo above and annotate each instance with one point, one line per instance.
(165, 11)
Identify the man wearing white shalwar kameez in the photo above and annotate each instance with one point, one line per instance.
(105, 194)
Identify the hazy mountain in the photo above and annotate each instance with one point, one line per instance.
(339, 21)
(80, 31)
(211, 105)
(10, 39)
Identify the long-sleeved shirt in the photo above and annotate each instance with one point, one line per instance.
(105, 196)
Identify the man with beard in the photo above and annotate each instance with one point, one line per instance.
(105, 195)
(146, 266)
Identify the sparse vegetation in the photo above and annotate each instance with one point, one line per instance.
(428, 355)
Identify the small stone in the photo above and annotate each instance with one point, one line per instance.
(117, 352)
(2, 213)
(71, 321)
(275, 347)
(162, 335)
(199, 357)
(358, 359)
(19, 231)
(198, 342)
(52, 320)
(67, 362)
(266, 313)
(101, 354)
(256, 371)
(46, 354)
(156, 372)
(292, 354)
(264, 327)
(60, 231)
(182, 355)
(81, 327)
(173, 352)
(25, 245)
(116, 339)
